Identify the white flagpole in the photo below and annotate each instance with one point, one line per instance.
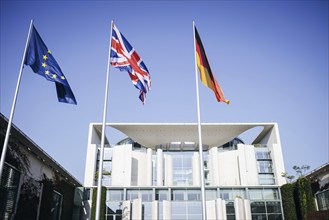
(5, 144)
(101, 157)
(203, 194)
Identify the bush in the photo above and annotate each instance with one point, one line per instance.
(304, 198)
(288, 202)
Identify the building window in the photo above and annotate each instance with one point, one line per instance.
(230, 211)
(114, 195)
(262, 153)
(56, 206)
(146, 195)
(264, 166)
(186, 210)
(322, 199)
(178, 195)
(211, 194)
(161, 195)
(113, 210)
(132, 194)
(182, 168)
(266, 179)
(193, 195)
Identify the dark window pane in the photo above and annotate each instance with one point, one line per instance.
(274, 217)
(273, 207)
(258, 217)
(230, 208)
(257, 207)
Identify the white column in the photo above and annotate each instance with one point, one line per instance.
(159, 167)
(196, 169)
(247, 209)
(149, 167)
(166, 209)
(155, 208)
(214, 166)
(242, 209)
(239, 209)
(221, 209)
(136, 209)
(168, 170)
(211, 209)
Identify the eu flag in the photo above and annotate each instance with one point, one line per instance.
(42, 62)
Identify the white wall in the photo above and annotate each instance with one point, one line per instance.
(121, 165)
(139, 169)
(228, 168)
(247, 165)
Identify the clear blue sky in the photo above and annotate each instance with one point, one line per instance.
(270, 57)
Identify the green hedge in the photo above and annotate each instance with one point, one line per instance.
(103, 205)
(288, 202)
(297, 199)
(305, 201)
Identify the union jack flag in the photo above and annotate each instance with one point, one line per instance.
(125, 57)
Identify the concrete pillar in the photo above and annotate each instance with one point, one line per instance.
(221, 209)
(155, 210)
(149, 167)
(159, 167)
(136, 209)
(214, 166)
(168, 170)
(211, 209)
(166, 209)
(242, 209)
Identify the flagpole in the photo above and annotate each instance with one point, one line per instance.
(101, 157)
(203, 197)
(5, 144)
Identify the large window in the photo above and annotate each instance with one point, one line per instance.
(114, 195)
(182, 168)
(161, 194)
(186, 210)
(264, 165)
(323, 200)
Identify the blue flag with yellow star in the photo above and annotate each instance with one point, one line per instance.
(42, 62)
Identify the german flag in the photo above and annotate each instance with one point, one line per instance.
(206, 75)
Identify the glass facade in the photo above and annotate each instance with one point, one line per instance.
(184, 197)
(182, 168)
(265, 203)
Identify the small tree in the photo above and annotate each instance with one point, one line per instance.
(301, 171)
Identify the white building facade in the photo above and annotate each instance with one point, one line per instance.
(155, 171)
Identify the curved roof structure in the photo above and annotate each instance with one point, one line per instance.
(213, 134)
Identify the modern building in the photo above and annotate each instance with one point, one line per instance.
(33, 185)
(155, 171)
